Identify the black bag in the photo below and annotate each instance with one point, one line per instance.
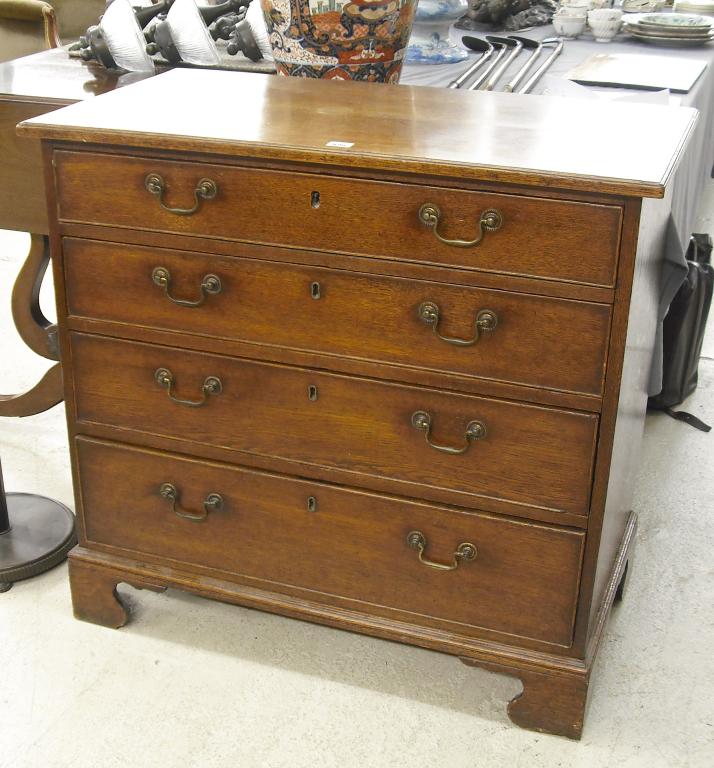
(684, 333)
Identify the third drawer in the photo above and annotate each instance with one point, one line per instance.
(538, 341)
(497, 454)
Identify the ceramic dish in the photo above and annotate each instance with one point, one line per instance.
(605, 23)
(674, 20)
(695, 6)
(640, 29)
(673, 42)
(569, 26)
(640, 6)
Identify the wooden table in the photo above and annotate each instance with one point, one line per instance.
(30, 86)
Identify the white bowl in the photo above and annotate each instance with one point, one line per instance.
(640, 6)
(575, 6)
(569, 26)
(605, 23)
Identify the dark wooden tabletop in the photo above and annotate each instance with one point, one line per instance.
(53, 77)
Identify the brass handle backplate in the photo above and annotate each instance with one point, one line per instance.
(212, 503)
(486, 320)
(206, 189)
(475, 430)
(211, 386)
(210, 285)
(430, 216)
(463, 553)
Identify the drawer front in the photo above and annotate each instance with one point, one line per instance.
(345, 543)
(530, 455)
(537, 341)
(556, 239)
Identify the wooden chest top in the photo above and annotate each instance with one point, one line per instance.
(478, 136)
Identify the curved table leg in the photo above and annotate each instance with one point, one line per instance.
(37, 332)
(44, 395)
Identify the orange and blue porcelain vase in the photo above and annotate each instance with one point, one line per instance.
(340, 39)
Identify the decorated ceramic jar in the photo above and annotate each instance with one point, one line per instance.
(339, 39)
(430, 43)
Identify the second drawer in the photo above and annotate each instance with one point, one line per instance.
(517, 338)
(496, 454)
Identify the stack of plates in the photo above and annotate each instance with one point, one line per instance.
(695, 6)
(675, 29)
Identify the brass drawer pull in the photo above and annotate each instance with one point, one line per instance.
(486, 320)
(475, 430)
(211, 386)
(206, 189)
(210, 285)
(463, 553)
(430, 216)
(212, 503)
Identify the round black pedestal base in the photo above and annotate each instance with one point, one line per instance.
(40, 536)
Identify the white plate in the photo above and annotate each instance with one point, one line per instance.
(674, 20)
(673, 42)
(638, 29)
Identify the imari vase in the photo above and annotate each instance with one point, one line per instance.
(339, 39)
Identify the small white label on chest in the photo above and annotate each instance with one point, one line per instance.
(341, 144)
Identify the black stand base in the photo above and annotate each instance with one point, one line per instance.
(40, 535)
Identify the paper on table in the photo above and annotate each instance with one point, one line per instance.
(638, 71)
(554, 85)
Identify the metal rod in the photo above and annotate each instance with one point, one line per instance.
(496, 73)
(4, 517)
(500, 50)
(536, 76)
(482, 59)
(536, 46)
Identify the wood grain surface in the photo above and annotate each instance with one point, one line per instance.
(497, 136)
(555, 239)
(531, 457)
(538, 341)
(352, 545)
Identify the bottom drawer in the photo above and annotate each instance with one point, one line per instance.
(343, 544)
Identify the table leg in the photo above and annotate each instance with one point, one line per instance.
(37, 332)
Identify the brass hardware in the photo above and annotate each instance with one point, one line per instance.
(312, 393)
(311, 504)
(206, 189)
(463, 553)
(430, 216)
(211, 386)
(212, 503)
(475, 430)
(486, 320)
(315, 199)
(315, 290)
(211, 284)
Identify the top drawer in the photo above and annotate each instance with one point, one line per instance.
(554, 239)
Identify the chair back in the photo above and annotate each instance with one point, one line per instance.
(26, 26)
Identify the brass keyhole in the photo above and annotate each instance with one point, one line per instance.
(315, 290)
(315, 199)
(311, 504)
(312, 393)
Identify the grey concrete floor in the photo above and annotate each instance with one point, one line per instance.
(191, 682)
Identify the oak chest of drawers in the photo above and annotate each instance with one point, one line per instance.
(373, 357)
